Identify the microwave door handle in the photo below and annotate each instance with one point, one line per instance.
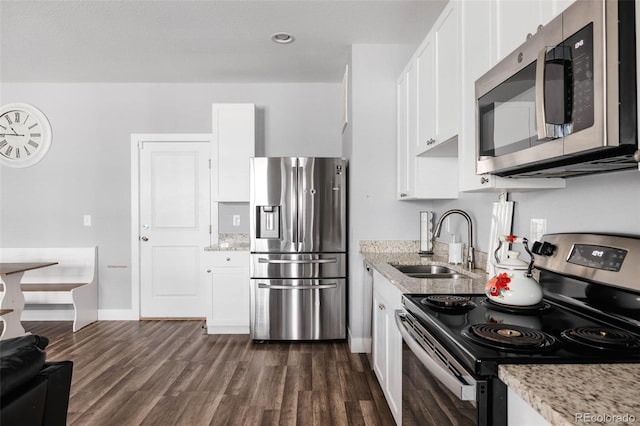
(541, 119)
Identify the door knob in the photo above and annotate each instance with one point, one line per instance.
(144, 238)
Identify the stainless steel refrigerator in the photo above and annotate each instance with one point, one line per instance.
(298, 248)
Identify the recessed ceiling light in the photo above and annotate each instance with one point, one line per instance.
(282, 38)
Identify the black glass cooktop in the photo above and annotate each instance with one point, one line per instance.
(482, 334)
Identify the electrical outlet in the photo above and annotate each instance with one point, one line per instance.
(86, 220)
(537, 229)
(236, 220)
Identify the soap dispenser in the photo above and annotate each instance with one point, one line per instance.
(455, 250)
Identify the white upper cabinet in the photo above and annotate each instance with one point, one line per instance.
(233, 129)
(422, 122)
(437, 63)
(514, 20)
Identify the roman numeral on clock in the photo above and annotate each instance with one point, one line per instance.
(33, 143)
(8, 151)
(16, 117)
(8, 119)
(17, 152)
(35, 135)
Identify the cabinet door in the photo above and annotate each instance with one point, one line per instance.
(513, 20)
(227, 275)
(230, 301)
(447, 72)
(402, 137)
(234, 132)
(387, 343)
(394, 362)
(379, 329)
(426, 95)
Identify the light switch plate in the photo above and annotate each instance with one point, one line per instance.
(236, 220)
(86, 220)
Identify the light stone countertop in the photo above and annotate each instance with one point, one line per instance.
(230, 242)
(564, 394)
(578, 394)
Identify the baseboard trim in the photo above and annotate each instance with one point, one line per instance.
(359, 344)
(117, 315)
(227, 329)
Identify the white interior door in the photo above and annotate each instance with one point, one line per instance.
(174, 227)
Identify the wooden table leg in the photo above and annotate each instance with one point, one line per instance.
(13, 299)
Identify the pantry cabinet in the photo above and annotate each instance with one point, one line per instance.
(233, 131)
(387, 343)
(227, 276)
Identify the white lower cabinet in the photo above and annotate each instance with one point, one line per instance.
(227, 278)
(387, 343)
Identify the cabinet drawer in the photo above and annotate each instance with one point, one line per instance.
(227, 259)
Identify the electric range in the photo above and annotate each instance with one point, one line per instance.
(590, 313)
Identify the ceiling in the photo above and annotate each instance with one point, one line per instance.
(197, 41)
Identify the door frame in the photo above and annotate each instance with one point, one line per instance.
(137, 139)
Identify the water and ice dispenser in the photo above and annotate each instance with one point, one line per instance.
(268, 222)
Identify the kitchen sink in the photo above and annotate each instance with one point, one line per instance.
(428, 271)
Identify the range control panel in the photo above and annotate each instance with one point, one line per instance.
(602, 258)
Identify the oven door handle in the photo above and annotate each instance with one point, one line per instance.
(463, 391)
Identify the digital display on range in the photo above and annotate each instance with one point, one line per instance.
(598, 257)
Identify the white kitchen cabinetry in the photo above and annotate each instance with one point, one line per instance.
(483, 33)
(227, 278)
(437, 82)
(426, 114)
(513, 20)
(387, 343)
(233, 129)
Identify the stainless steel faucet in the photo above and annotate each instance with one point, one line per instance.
(471, 263)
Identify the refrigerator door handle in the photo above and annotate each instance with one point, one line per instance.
(297, 261)
(300, 212)
(296, 206)
(298, 287)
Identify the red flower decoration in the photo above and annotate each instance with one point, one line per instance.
(498, 284)
(511, 238)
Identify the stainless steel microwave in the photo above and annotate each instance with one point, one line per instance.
(564, 103)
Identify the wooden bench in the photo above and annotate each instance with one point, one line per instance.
(73, 281)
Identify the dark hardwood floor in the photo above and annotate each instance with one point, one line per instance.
(171, 373)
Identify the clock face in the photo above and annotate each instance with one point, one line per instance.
(25, 135)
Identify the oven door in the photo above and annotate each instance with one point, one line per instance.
(436, 389)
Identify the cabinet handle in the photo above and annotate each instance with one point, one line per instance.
(381, 306)
(484, 180)
(403, 194)
(431, 141)
(228, 259)
(208, 271)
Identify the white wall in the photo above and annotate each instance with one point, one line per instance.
(369, 144)
(87, 168)
(605, 203)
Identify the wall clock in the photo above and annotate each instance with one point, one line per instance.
(25, 135)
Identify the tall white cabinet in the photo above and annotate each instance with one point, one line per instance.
(233, 130)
